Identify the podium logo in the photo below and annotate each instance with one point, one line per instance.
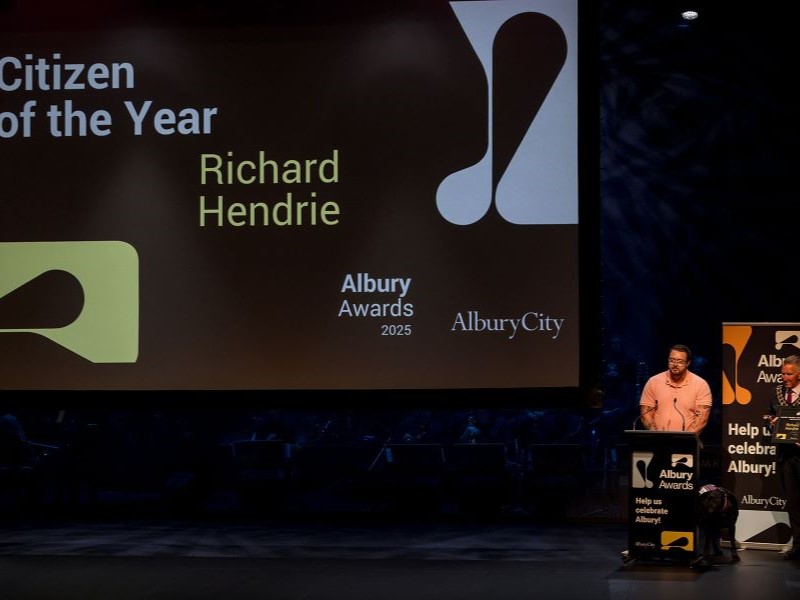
(682, 460)
(787, 338)
(528, 51)
(677, 540)
(640, 464)
(106, 330)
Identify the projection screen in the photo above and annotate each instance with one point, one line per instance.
(322, 196)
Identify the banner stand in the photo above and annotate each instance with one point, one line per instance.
(752, 356)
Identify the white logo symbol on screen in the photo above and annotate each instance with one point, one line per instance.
(538, 186)
(787, 338)
(682, 460)
(640, 463)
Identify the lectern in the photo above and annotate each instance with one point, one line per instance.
(662, 499)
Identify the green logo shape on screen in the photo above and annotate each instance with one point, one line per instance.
(107, 328)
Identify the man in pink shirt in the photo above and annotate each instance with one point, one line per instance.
(676, 399)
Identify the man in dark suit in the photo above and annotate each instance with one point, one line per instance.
(788, 454)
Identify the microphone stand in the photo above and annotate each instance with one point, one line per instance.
(683, 419)
(641, 414)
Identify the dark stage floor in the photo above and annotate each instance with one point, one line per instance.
(354, 559)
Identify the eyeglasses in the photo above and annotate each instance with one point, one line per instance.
(677, 361)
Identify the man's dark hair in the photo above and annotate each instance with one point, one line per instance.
(682, 348)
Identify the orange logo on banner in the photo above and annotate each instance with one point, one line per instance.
(735, 337)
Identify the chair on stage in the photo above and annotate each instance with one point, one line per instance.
(556, 477)
(477, 476)
(414, 476)
(263, 469)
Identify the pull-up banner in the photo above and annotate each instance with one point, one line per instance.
(752, 357)
(351, 196)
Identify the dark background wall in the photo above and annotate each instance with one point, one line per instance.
(698, 138)
(696, 156)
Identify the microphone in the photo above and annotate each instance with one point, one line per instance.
(683, 419)
(641, 414)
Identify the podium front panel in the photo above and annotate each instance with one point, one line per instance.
(662, 507)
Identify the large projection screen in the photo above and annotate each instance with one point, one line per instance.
(336, 196)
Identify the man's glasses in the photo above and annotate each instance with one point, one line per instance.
(677, 361)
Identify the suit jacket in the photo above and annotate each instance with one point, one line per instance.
(783, 451)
